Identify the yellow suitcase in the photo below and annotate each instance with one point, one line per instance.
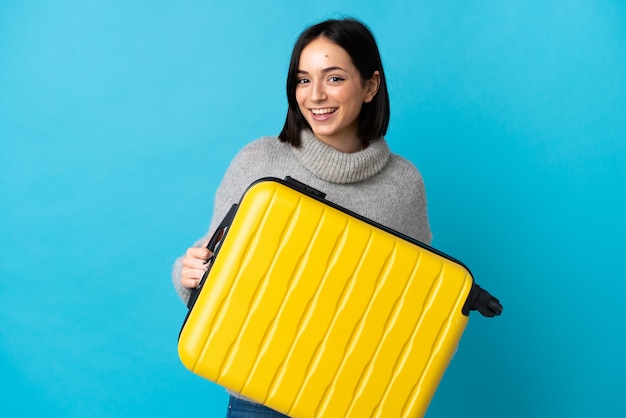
(315, 311)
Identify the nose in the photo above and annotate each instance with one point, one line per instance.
(318, 92)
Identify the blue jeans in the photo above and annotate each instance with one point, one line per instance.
(240, 408)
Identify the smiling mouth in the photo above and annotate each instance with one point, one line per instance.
(324, 111)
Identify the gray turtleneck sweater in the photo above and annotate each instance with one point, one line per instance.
(374, 183)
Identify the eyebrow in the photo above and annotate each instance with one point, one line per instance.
(325, 70)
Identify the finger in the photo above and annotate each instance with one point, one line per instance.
(188, 272)
(190, 278)
(198, 252)
(190, 283)
(196, 263)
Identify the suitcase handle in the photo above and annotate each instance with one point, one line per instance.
(311, 191)
(480, 300)
(213, 246)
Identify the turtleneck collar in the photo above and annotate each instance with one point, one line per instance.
(335, 166)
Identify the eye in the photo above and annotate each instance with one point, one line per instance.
(303, 80)
(335, 79)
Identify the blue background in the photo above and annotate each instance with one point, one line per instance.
(118, 118)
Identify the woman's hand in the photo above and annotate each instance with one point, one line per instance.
(194, 266)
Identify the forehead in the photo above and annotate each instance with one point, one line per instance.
(322, 52)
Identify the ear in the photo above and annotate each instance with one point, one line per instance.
(371, 86)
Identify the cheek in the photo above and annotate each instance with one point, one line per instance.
(299, 96)
(350, 96)
(301, 106)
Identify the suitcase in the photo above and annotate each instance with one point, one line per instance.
(315, 311)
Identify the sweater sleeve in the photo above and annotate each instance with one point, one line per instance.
(416, 203)
(183, 292)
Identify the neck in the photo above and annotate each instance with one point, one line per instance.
(347, 146)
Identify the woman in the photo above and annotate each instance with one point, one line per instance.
(332, 140)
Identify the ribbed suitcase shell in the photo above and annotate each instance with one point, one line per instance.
(316, 312)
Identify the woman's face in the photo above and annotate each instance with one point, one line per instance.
(331, 92)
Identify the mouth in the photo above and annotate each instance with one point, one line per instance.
(322, 114)
(323, 111)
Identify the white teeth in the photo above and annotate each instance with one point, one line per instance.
(322, 111)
